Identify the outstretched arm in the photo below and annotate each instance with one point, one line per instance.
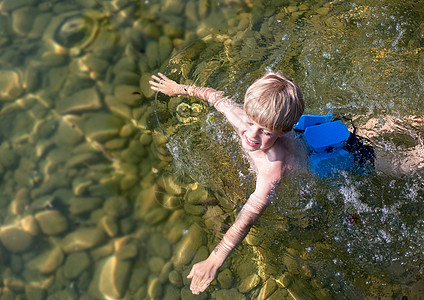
(225, 105)
(203, 273)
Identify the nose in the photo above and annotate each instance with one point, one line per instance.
(254, 131)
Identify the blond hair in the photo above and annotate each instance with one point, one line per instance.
(274, 101)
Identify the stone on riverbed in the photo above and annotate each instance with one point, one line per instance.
(225, 279)
(189, 244)
(11, 87)
(160, 246)
(82, 239)
(51, 222)
(47, 262)
(101, 126)
(229, 294)
(75, 264)
(23, 19)
(15, 239)
(117, 207)
(249, 283)
(145, 85)
(267, 289)
(81, 101)
(111, 278)
(174, 278)
(81, 205)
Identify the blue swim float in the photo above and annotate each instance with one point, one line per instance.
(332, 148)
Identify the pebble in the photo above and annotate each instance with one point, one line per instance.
(9, 5)
(117, 107)
(81, 101)
(124, 64)
(15, 239)
(156, 216)
(128, 94)
(11, 85)
(51, 59)
(48, 261)
(23, 19)
(81, 205)
(174, 278)
(68, 134)
(34, 293)
(31, 81)
(197, 196)
(109, 225)
(117, 206)
(51, 222)
(82, 239)
(95, 63)
(171, 293)
(111, 278)
(283, 294)
(155, 289)
(248, 283)
(171, 202)
(196, 210)
(126, 78)
(201, 254)
(127, 130)
(170, 185)
(75, 264)
(225, 279)
(156, 264)
(165, 48)
(267, 289)
(160, 246)
(145, 86)
(232, 294)
(101, 126)
(187, 247)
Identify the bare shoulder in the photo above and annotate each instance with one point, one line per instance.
(289, 154)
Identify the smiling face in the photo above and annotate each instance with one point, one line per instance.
(257, 137)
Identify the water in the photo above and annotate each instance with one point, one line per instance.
(111, 191)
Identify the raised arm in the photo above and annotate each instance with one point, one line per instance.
(203, 273)
(225, 105)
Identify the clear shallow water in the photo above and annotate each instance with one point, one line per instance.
(87, 175)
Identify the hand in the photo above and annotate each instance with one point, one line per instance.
(165, 85)
(201, 275)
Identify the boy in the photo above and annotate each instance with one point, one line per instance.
(272, 105)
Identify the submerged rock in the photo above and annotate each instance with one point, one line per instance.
(84, 100)
(52, 222)
(82, 239)
(232, 294)
(10, 83)
(15, 239)
(48, 262)
(189, 244)
(75, 264)
(249, 283)
(111, 278)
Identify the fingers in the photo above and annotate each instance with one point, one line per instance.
(163, 77)
(199, 285)
(190, 275)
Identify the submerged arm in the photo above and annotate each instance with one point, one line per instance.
(223, 104)
(204, 272)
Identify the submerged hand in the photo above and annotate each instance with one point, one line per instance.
(165, 85)
(201, 275)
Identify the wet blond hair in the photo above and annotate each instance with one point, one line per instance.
(274, 101)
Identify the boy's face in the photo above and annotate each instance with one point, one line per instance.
(258, 137)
